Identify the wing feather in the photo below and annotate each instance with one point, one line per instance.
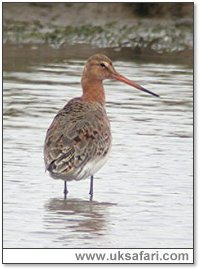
(77, 134)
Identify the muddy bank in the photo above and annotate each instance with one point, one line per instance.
(63, 14)
(64, 24)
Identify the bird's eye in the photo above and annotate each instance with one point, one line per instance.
(102, 65)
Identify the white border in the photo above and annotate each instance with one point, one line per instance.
(119, 256)
(64, 255)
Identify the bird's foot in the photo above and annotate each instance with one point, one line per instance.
(91, 188)
(91, 196)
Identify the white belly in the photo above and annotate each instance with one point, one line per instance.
(91, 167)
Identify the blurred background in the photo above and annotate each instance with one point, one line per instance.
(158, 30)
(143, 196)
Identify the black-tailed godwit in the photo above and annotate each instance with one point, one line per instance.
(78, 141)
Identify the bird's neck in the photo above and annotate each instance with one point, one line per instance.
(93, 90)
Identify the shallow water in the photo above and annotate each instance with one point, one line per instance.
(143, 195)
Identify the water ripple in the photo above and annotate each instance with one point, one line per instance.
(143, 195)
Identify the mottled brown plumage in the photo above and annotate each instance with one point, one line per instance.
(79, 139)
(78, 135)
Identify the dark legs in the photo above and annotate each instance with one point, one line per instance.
(91, 187)
(90, 192)
(65, 189)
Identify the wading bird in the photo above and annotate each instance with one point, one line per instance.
(78, 141)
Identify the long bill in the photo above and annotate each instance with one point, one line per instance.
(121, 78)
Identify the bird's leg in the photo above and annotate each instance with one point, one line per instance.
(91, 187)
(65, 190)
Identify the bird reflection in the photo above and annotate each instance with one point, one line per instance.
(75, 218)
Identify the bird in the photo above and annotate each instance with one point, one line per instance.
(78, 141)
